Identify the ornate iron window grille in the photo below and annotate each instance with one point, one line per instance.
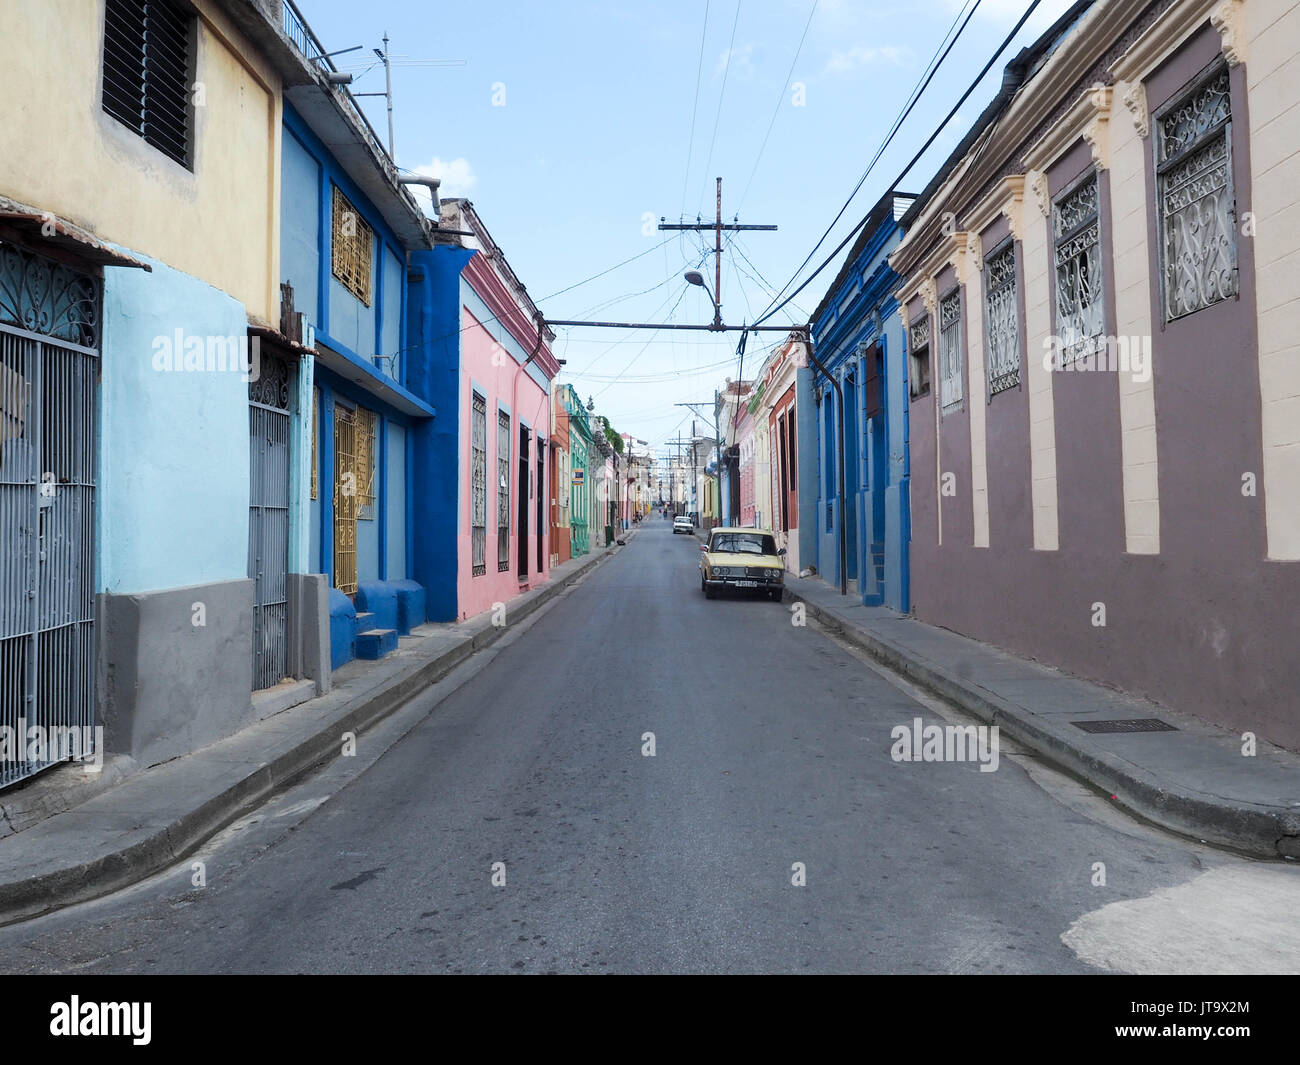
(918, 379)
(352, 248)
(41, 296)
(503, 491)
(272, 386)
(951, 392)
(1002, 319)
(1195, 198)
(345, 500)
(1076, 230)
(367, 421)
(478, 484)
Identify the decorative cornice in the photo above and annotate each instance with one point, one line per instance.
(967, 258)
(1036, 181)
(930, 295)
(1086, 118)
(1133, 94)
(1227, 19)
(1165, 36)
(1005, 198)
(1013, 207)
(493, 291)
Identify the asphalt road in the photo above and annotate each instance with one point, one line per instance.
(771, 747)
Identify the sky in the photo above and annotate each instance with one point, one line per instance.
(575, 126)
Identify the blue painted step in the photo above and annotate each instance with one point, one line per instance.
(375, 643)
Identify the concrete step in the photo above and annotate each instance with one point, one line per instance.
(376, 643)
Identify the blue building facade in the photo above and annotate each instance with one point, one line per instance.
(343, 268)
(857, 337)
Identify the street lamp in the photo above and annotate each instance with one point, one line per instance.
(694, 277)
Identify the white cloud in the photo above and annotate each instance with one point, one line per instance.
(842, 62)
(457, 176)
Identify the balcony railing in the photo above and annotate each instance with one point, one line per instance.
(296, 29)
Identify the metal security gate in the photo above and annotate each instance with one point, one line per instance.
(49, 382)
(270, 407)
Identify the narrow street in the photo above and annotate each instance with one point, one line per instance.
(772, 747)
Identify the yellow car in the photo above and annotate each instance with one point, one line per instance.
(742, 558)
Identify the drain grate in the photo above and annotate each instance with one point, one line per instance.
(1131, 724)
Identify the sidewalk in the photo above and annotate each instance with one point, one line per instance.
(1194, 781)
(132, 830)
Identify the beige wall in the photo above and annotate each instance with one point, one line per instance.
(1042, 412)
(1273, 72)
(1130, 211)
(60, 152)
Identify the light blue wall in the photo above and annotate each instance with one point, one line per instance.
(396, 502)
(391, 342)
(300, 558)
(174, 452)
(351, 321)
(300, 225)
(314, 564)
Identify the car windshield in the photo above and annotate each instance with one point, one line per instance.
(743, 544)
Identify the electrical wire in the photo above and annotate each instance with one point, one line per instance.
(722, 95)
(690, 144)
(912, 162)
(941, 54)
(777, 110)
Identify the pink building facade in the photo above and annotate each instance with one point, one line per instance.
(506, 369)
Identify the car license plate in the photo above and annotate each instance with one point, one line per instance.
(747, 584)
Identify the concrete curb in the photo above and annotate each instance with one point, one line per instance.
(168, 843)
(1264, 832)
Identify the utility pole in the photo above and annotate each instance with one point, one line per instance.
(717, 226)
(388, 91)
(717, 440)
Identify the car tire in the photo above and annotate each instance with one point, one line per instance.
(777, 594)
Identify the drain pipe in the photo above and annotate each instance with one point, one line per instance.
(430, 183)
(839, 424)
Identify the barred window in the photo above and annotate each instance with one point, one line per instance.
(365, 460)
(478, 484)
(503, 491)
(148, 69)
(1076, 231)
(1002, 320)
(352, 248)
(951, 391)
(1194, 199)
(918, 378)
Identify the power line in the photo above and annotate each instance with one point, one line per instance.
(699, 70)
(913, 161)
(722, 94)
(777, 110)
(932, 69)
(767, 285)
